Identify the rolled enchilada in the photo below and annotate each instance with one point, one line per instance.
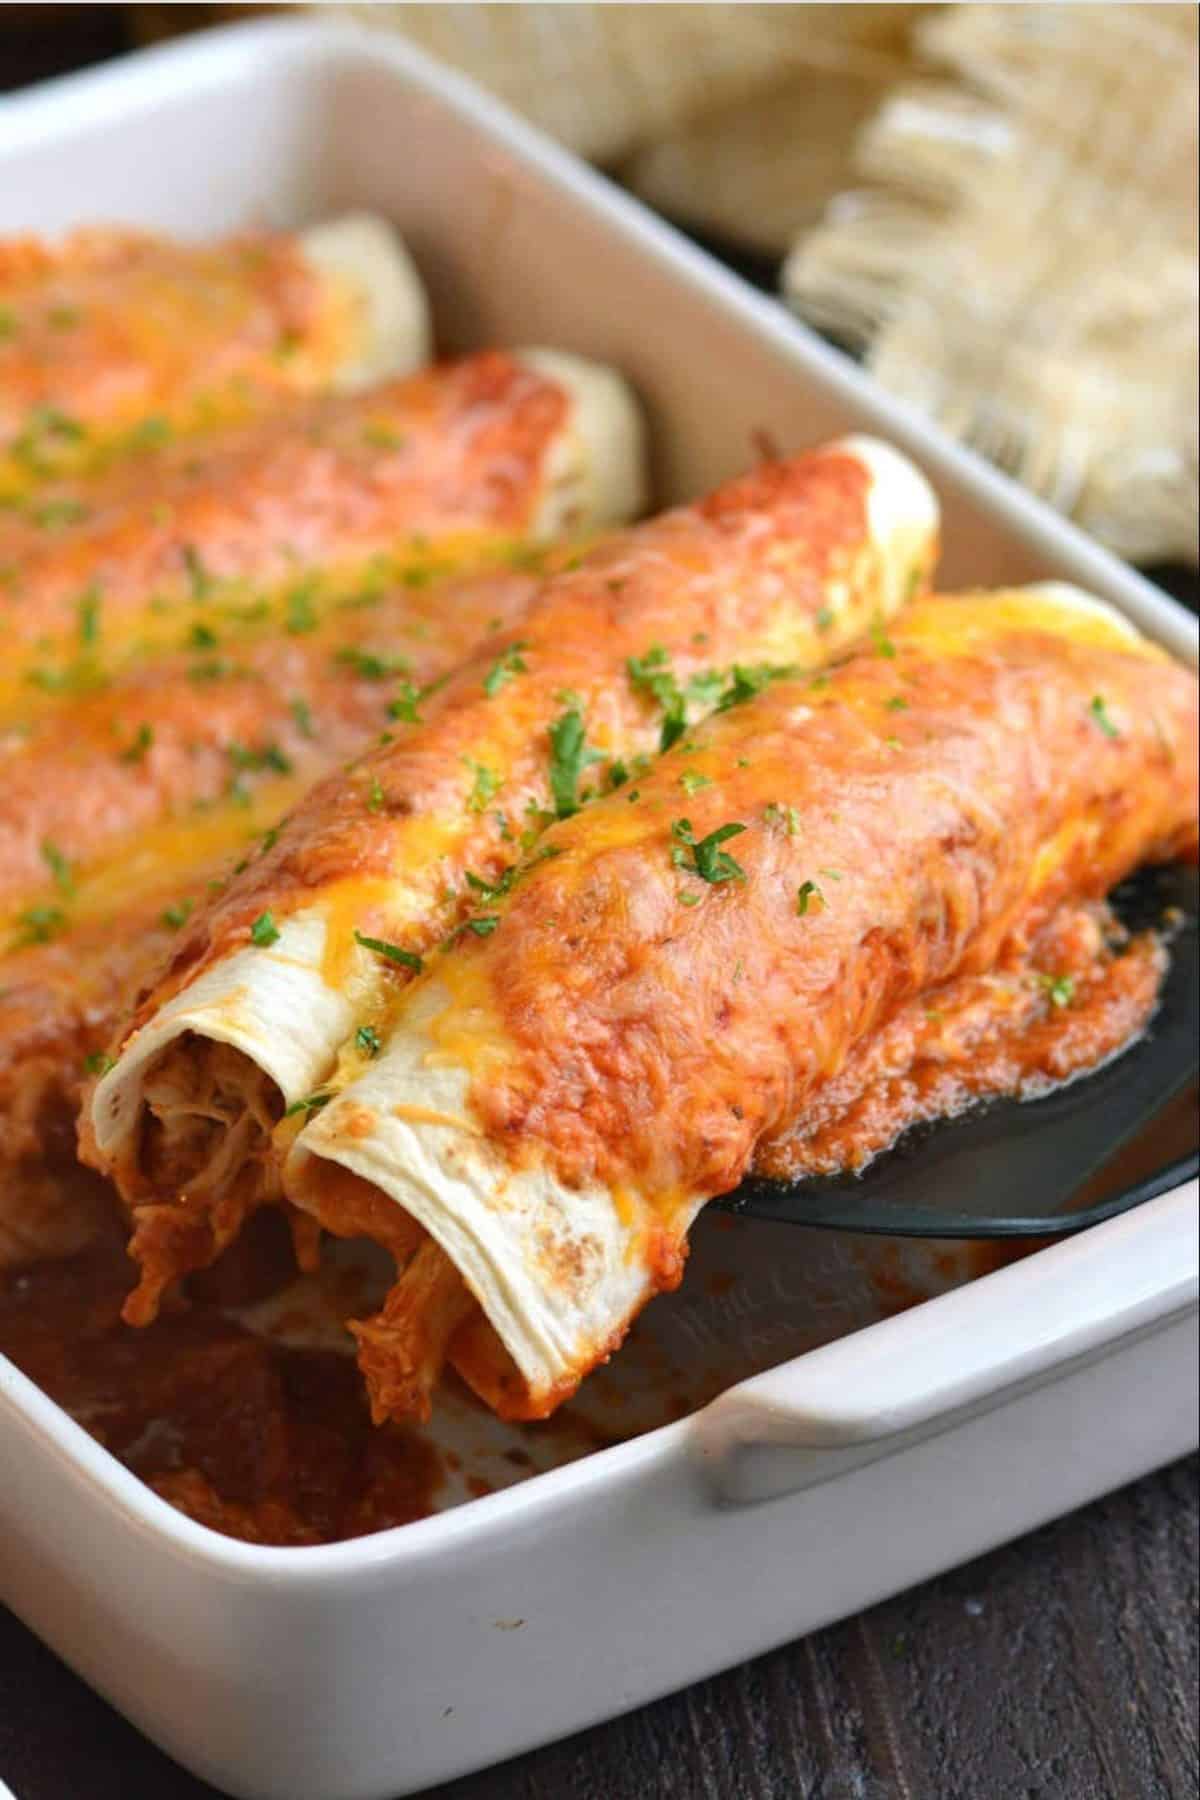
(676, 982)
(266, 527)
(117, 818)
(112, 338)
(286, 981)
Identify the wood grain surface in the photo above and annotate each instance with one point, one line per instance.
(1063, 1667)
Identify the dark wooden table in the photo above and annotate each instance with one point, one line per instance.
(1063, 1667)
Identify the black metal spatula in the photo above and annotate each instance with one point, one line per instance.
(1012, 1169)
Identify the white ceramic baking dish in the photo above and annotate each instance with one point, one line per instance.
(828, 1478)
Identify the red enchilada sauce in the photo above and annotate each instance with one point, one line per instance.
(274, 1445)
(264, 1443)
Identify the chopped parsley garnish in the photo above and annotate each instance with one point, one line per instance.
(201, 637)
(149, 433)
(369, 666)
(484, 788)
(805, 894)
(879, 637)
(302, 713)
(269, 757)
(89, 615)
(503, 670)
(367, 1041)
(691, 782)
(484, 926)
(407, 959)
(143, 738)
(58, 866)
(199, 579)
(405, 705)
(569, 757)
(264, 931)
(689, 898)
(706, 688)
(178, 914)
(492, 890)
(376, 798)
(1060, 989)
(785, 816)
(897, 703)
(652, 676)
(704, 856)
(44, 426)
(98, 1062)
(310, 1103)
(40, 923)
(299, 616)
(51, 514)
(1098, 708)
(745, 681)
(212, 668)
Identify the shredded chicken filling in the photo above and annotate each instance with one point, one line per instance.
(205, 1140)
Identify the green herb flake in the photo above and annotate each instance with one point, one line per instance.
(39, 924)
(824, 619)
(806, 893)
(897, 703)
(484, 787)
(58, 866)
(569, 757)
(506, 667)
(200, 581)
(98, 1062)
(52, 515)
(883, 644)
(88, 614)
(1059, 989)
(311, 1103)
(367, 1041)
(368, 666)
(376, 798)
(302, 713)
(406, 704)
(690, 898)
(691, 782)
(651, 676)
(201, 637)
(485, 925)
(178, 914)
(270, 756)
(1098, 708)
(407, 959)
(299, 614)
(747, 680)
(150, 433)
(143, 739)
(704, 856)
(264, 931)
(786, 818)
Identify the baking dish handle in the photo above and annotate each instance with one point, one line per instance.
(910, 1377)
